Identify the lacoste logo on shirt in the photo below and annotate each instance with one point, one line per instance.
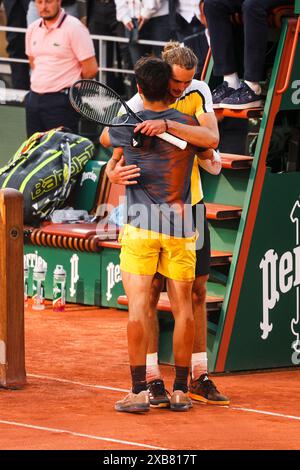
(56, 44)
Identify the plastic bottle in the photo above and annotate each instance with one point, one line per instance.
(38, 285)
(59, 289)
(25, 282)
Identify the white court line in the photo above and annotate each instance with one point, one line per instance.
(270, 413)
(102, 387)
(250, 410)
(78, 434)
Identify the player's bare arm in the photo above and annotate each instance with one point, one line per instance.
(205, 135)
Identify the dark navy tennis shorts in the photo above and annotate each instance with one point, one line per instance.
(203, 247)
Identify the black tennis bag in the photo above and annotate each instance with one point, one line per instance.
(44, 169)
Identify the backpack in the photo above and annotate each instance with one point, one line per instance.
(44, 169)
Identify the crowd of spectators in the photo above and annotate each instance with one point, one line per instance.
(154, 20)
(196, 23)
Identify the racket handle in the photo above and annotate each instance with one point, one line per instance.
(173, 140)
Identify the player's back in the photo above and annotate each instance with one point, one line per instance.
(165, 169)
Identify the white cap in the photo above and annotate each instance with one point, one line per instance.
(40, 267)
(59, 270)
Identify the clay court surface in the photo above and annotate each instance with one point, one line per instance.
(77, 367)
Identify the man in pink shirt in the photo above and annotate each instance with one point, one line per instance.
(60, 51)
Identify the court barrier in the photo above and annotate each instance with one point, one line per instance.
(12, 350)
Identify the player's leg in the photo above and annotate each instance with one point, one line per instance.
(201, 387)
(177, 262)
(180, 295)
(158, 395)
(137, 289)
(139, 257)
(156, 289)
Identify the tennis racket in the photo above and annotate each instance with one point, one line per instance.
(97, 102)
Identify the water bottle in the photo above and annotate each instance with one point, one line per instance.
(25, 282)
(59, 289)
(38, 285)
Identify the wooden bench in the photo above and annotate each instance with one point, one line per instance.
(236, 162)
(215, 211)
(213, 302)
(82, 236)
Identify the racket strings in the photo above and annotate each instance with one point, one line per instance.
(96, 102)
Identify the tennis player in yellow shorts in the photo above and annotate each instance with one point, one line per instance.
(159, 236)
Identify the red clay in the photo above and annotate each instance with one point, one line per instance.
(88, 346)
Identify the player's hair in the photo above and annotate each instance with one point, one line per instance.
(153, 75)
(176, 54)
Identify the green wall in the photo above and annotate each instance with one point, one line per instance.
(12, 131)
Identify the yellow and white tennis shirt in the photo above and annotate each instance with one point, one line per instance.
(195, 100)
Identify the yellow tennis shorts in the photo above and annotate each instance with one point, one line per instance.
(146, 252)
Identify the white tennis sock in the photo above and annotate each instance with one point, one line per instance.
(152, 370)
(233, 80)
(254, 87)
(199, 364)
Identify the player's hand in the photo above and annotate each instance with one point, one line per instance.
(129, 25)
(205, 154)
(141, 22)
(151, 127)
(212, 165)
(124, 174)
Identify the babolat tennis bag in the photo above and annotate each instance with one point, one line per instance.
(44, 169)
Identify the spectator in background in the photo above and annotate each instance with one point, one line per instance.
(70, 7)
(184, 18)
(15, 11)
(233, 132)
(233, 93)
(144, 19)
(199, 42)
(101, 20)
(57, 60)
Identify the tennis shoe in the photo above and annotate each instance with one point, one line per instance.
(221, 92)
(158, 395)
(242, 98)
(134, 403)
(180, 401)
(203, 389)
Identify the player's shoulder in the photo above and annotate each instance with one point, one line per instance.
(180, 116)
(197, 86)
